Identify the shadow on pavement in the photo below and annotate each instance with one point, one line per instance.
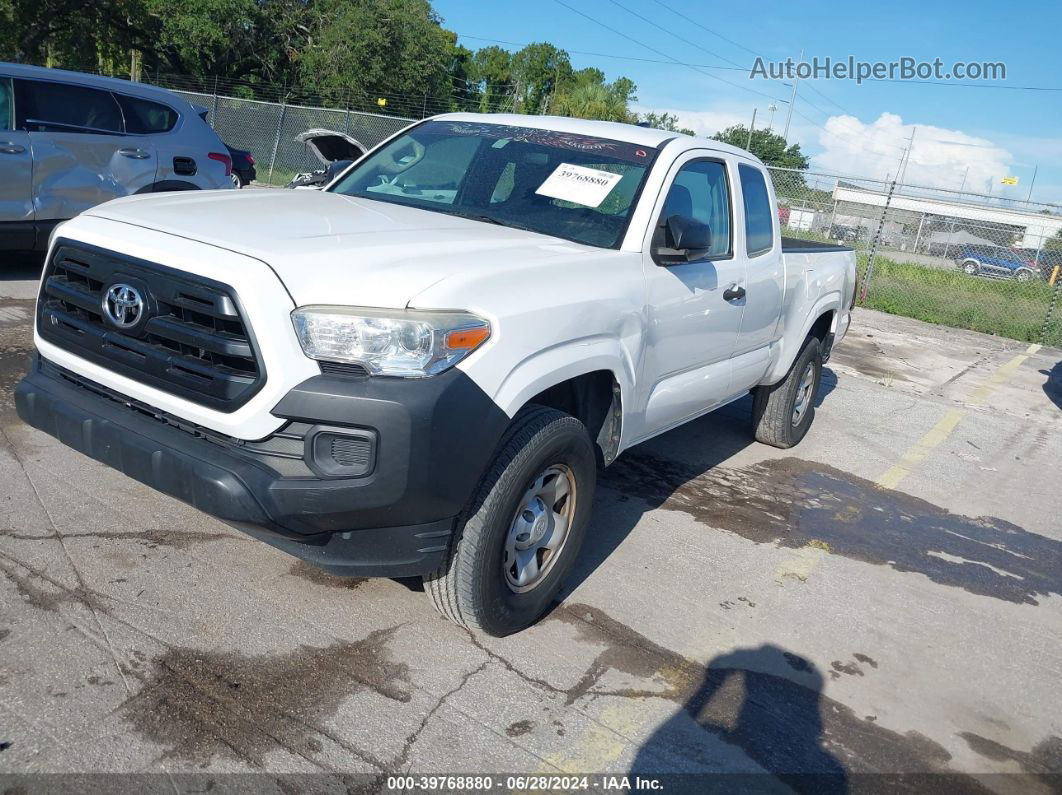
(701, 445)
(777, 722)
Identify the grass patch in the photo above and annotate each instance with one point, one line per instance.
(1002, 307)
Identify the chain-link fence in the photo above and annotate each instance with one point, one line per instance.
(268, 131)
(955, 258)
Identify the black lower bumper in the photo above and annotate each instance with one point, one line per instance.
(397, 522)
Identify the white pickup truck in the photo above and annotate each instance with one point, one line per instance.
(419, 369)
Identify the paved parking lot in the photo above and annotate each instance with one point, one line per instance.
(885, 598)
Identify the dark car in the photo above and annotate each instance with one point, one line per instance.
(243, 172)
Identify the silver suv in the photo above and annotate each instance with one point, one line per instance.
(70, 141)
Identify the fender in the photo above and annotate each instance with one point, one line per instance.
(564, 361)
(794, 336)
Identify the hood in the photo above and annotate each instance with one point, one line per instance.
(332, 249)
(330, 146)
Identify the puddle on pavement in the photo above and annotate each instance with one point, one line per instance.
(766, 701)
(202, 704)
(795, 503)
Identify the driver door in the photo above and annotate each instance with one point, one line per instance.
(695, 307)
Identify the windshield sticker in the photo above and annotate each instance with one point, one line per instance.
(578, 184)
(573, 142)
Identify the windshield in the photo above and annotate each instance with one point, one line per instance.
(575, 187)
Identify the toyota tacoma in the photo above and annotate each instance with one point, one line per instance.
(419, 370)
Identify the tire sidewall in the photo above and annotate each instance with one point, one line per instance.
(504, 610)
(812, 352)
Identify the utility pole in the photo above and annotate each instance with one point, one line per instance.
(906, 155)
(772, 108)
(962, 187)
(748, 143)
(792, 102)
(1032, 182)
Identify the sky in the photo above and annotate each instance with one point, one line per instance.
(977, 134)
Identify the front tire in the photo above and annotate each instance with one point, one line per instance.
(971, 267)
(523, 529)
(783, 412)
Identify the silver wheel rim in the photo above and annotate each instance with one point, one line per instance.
(970, 268)
(804, 392)
(539, 528)
(236, 180)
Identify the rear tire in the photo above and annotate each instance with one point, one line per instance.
(783, 412)
(476, 586)
(971, 267)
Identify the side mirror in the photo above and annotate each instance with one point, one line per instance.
(684, 240)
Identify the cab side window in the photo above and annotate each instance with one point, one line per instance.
(7, 104)
(759, 220)
(700, 191)
(56, 107)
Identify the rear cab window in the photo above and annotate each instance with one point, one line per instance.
(759, 219)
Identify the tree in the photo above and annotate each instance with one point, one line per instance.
(588, 96)
(665, 121)
(1054, 243)
(492, 68)
(537, 71)
(364, 49)
(768, 146)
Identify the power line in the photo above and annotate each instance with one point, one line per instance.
(707, 29)
(661, 52)
(612, 56)
(694, 44)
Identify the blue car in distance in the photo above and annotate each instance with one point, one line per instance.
(998, 262)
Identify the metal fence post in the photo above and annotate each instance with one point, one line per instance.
(1050, 309)
(214, 112)
(874, 245)
(276, 141)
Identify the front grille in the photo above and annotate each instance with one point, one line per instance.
(192, 342)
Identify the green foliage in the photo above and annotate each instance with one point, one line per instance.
(588, 96)
(768, 146)
(312, 51)
(665, 121)
(951, 298)
(1054, 243)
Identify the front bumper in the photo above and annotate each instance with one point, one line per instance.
(434, 436)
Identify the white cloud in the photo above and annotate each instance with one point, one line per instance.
(939, 157)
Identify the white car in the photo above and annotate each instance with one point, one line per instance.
(418, 370)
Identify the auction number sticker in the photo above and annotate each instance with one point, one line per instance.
(579, 184)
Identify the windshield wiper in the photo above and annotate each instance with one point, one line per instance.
(490, 219)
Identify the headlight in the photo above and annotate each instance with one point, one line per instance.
(389, 342)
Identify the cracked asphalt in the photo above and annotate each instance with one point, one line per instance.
(738, 609)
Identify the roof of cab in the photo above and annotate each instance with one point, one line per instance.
(91, 81)
(614, 130)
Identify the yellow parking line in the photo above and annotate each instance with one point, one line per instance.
(619, 724)
(891, 478)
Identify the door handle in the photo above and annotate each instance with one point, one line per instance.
(9, 148)
(733, 293)
(135, 154)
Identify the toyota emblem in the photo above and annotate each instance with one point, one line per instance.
(123, 305)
